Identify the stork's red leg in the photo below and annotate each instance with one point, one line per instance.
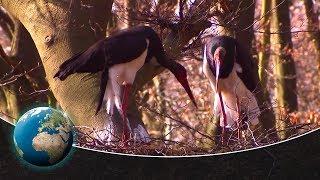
(239, 118)
(224, 116)
(124, 107)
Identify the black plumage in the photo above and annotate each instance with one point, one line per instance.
(235, 53)
(119, 48)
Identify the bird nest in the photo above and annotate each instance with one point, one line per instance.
(164, 147)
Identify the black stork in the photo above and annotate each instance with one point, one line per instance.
(119, 57)
(229, 69)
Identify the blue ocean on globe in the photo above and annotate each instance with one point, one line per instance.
(43, 136)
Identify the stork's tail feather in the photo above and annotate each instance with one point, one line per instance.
(69, 67)
(103, 86)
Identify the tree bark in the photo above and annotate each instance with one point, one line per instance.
(158, 125)
(285, 71)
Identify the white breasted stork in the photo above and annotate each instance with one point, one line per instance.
(229, 69)
(119, 57)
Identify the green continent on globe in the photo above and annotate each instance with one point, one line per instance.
(53, 121)
(53, 144)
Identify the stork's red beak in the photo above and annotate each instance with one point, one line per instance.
(218, 58)
(217, 65)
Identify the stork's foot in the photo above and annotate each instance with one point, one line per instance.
(125, 139)
(223, 139)
(126, 135)
(225, 136)
(224, 128)
(223, 119)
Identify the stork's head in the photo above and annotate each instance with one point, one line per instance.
(223, 60)
(221, 55)
(218, 59)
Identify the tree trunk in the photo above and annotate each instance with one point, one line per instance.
(126, 14)
(60, 30)
(264, 53)
(285, 72)
(3, 102)
(313, 27)
(267, 117)
(14, 105)
(18, 93)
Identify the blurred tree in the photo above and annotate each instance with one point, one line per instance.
(264, 52)
(131, 6)
(245, 36)
(313, 27)
(159, 125)
(124, 14)
(267, 117)
(285, 72)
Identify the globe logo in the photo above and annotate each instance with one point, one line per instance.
(43, 136)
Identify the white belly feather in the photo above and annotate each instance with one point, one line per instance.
(231, 88)
(121, 74)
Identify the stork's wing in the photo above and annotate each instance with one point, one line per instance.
(91, 60)
(244, 59)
